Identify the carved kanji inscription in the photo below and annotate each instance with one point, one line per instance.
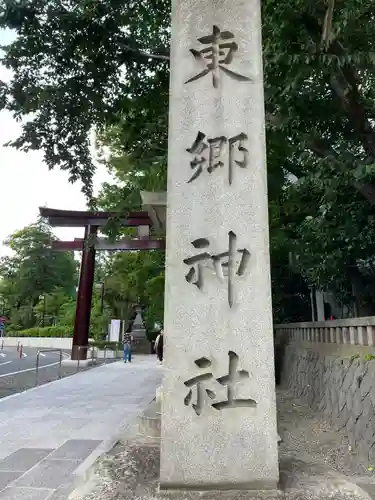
(217, 56)
(204, 384)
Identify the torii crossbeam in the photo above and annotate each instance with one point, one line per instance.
(92, 221)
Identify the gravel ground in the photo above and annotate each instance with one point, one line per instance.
(316, 463)
(307, 436)
(26, 380)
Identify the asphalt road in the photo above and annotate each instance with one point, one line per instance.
(18, 374)
(12, 364)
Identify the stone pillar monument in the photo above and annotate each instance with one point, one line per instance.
(218, 409)
(138, 330)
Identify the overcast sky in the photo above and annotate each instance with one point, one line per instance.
(26, 183)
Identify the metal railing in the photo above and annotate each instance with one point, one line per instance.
(105, 353)
(37, 362)
(92, 349)
(79, 347)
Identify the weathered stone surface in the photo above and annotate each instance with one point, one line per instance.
(349, 377)
(359, 375)
(342, 419)
(371, 454)
(372, 396)
(368, 439)
(343, 389)
(342, 400)
(357, 404)
(367, 408)
(367, 382)
(360, 428)
(218, 314)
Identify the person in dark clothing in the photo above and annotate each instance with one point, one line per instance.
(159, 346)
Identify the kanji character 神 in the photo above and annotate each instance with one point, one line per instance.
(195, 274)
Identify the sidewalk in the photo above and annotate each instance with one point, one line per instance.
(50, 433)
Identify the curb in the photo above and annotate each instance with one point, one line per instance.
(85, 471)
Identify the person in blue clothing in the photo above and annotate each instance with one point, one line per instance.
(127, 348)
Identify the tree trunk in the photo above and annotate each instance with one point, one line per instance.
(365, 305)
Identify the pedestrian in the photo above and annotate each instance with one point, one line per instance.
(159, 346)
(127, 348)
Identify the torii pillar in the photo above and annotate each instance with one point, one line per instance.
(84, 296)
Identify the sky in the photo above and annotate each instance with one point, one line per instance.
(27, 184)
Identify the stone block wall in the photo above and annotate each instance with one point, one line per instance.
(342, 388)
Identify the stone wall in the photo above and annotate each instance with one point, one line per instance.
(342, 388)
(40, 342)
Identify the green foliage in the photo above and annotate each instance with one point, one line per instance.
(34, 271)
(132, 277)
(69, 62)
(319, 97)
(102, 344)
(47, 331)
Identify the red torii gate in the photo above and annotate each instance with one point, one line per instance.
(92, 221)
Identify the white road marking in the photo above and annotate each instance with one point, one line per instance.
(42, 354)
(32, 369)
(24, 355)
(3, 355)
(5, 363)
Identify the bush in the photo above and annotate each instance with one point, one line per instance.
(112, 346)
(47, 331)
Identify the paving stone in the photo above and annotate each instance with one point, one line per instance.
(75, 449)
(24, 459)
(46, 414)
(14, 493)
(62, 493)
(6, 477)
(48, 474)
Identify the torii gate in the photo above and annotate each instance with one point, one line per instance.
(92, 221)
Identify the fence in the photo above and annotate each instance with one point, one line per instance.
(354, 331)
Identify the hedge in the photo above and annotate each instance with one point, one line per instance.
(46, 331)
(112, 346)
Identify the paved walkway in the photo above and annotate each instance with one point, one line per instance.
(51, 433)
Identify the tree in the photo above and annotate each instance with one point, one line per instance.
(319, 89)
(134, 277)
(71, 82)
(332, 233)
(318, 80)
(34, 270)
